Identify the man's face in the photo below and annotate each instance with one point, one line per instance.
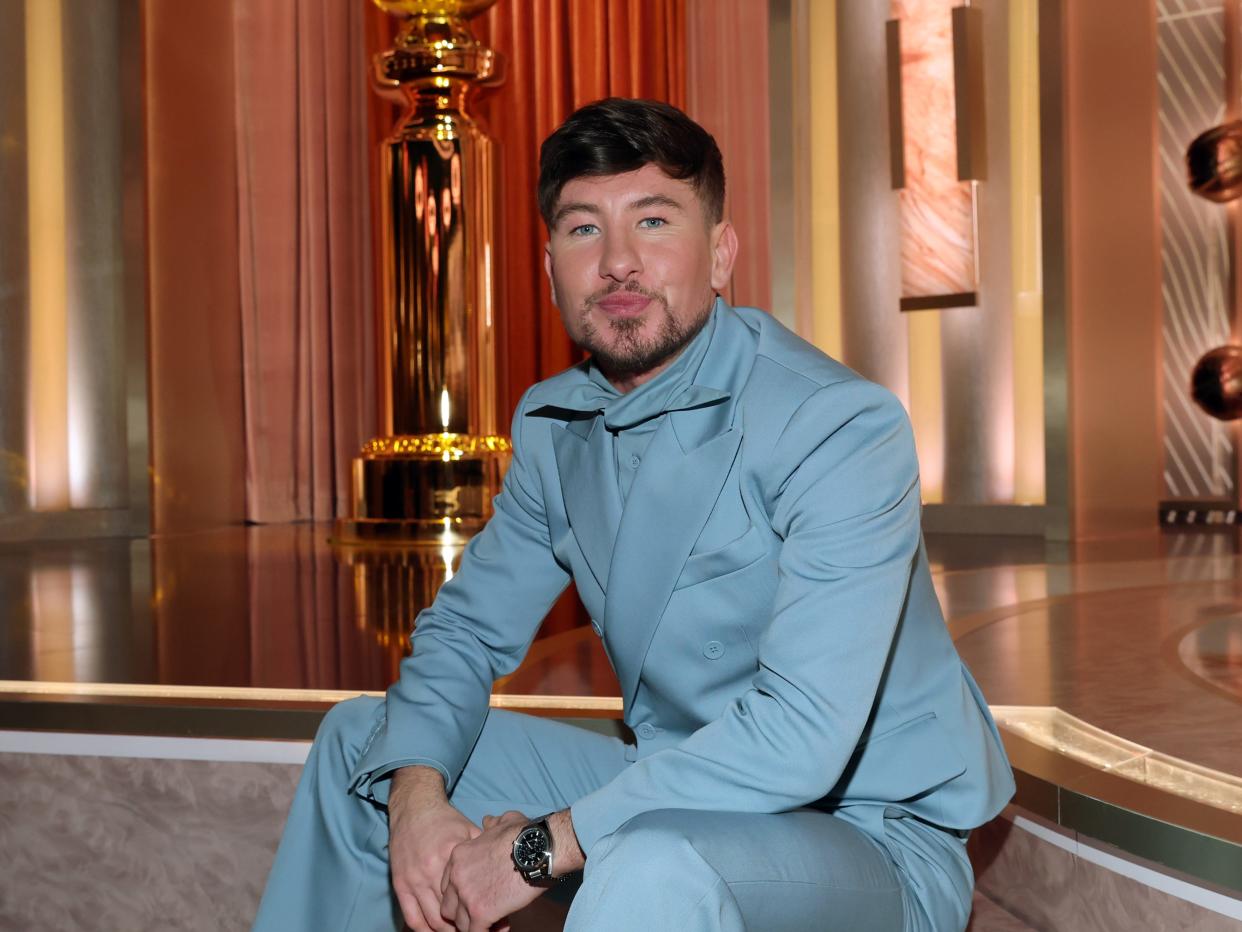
(635, 265)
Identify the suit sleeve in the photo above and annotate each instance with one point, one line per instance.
(843, 494)
(478, 629)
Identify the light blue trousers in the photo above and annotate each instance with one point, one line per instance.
(690, 871)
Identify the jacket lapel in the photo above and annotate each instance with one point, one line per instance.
(589, 487)
(668, 505)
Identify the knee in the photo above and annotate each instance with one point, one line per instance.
(645, 872)
(651, 843)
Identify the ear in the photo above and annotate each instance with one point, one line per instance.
(547, 268)
(724, 254)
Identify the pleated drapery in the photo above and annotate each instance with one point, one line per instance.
(304, 256)
(727, 89)
(261, 316)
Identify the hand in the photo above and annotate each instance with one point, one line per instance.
(481, 887)
(423, 830)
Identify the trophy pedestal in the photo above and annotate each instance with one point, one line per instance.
(434, 488)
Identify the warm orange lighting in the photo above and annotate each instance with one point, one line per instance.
(1028, 299)
(927, 402)
(49, 343)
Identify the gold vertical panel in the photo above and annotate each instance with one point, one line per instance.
(825, 180)
(45, 134)
(972, 150)
(938, 267)
(927, 402)
(1028, 328)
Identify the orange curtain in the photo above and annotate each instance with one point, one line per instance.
(304, 258)
(260, 267)
(727, 91)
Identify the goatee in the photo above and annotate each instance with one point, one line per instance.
(627, 354)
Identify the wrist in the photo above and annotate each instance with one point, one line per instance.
(568, 854)
(416, 786)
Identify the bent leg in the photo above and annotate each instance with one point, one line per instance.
(331, 869)
(729, 872)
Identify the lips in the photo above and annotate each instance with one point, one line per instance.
(623, 303)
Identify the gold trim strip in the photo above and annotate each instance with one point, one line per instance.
(1046, 726)
(258, 693)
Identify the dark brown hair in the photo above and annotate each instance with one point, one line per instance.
(617, 135)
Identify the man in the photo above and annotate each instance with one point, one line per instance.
(740, 515)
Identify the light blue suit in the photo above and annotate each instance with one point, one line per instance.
(762, 591)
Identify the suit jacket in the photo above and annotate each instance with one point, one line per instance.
(763, 595)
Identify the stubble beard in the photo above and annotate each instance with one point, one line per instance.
(628, 354)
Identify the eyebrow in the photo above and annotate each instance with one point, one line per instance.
(643, 203)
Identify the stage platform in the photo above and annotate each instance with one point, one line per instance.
(1114, 669)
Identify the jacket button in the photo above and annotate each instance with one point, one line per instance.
(635, 461)
(713, 650)
(646, 731)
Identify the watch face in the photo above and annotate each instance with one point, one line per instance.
(531, 847)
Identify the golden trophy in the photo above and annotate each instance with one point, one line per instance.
(431, 474)
(425, 485)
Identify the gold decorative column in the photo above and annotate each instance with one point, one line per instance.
(431, 475)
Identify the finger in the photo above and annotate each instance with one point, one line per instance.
(430, 906)
(490, 820)
(412, 913)
(449, 906)
(513, 815)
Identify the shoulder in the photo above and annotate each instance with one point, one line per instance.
(795, 382)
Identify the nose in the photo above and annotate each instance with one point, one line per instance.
(619, 259)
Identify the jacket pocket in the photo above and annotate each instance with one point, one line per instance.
(902, 763)
(733, 556)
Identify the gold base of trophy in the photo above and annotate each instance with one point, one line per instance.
(435, 489)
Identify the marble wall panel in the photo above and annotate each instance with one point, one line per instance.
(1050, 888)
(136, 844)
(937, 210)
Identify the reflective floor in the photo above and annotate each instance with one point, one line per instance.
(1142, 639)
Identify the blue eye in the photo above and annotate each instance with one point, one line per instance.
(583, 229)
(652, 223)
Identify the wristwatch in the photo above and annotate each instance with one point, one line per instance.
(532, 851)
